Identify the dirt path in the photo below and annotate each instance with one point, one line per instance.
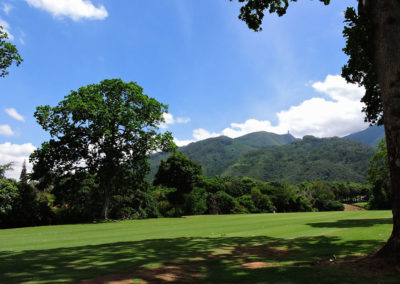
(349, 207)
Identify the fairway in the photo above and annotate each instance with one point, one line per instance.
(264, 248)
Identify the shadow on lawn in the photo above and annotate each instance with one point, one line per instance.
(352, 223)
(223, 259)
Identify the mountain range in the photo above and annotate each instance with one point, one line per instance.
(273, 157)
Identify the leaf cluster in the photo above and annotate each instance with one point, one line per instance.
(8, 54)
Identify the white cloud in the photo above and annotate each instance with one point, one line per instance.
(75, 9)
(337, 115)
(6, 130)
(201, 134)
(181, 143)
(170, 120)
(7, 8)
(182, 119)
(6, 28)
(16, 154)
(14, 114)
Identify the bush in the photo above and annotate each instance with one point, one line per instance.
(261, 201)
(196, 202)
(247, 202)
(220, 203)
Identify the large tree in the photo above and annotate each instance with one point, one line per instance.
(8, 54)
(373, 43)
(107, 130)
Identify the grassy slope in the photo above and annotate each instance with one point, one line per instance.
(222, 245)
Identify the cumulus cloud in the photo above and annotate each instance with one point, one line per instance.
(170, 120)
(16, 154)
(6, 130)
(6, 8)
(14, 114)
(337, 113)
(6, 28)
(74, 9)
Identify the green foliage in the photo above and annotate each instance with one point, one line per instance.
(196, 202)
(247, 202)
(222, 203)
(178, 172)
(77, 197)
(310, 159)
(252, 12)
(379, 177)
(216, 154)
(261, 201)
(27, 208)
(8, 195)
(8, 54)
(107, 130)
(23, 178)
(137, 205)
(360, 68)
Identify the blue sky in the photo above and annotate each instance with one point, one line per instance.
(217, 76)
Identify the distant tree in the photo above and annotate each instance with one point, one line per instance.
(23, 178)
(4, 168)
(8, 54)
(107, 130)
(179, 172)
(379, 177)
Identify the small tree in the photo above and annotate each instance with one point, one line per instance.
(107, 130)
(178, 172)
(23, 178)
(8, 54)
(379, 177)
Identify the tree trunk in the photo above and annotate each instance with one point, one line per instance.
(106, 203)
(385, 37)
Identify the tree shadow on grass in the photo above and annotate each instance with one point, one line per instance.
(224, 259)
(352, 223)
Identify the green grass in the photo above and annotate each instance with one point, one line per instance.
(361, 204)
(208, 248)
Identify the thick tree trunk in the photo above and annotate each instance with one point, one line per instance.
(385, 37)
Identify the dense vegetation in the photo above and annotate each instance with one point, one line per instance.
(310, 159)
(180, 189)
(253, 155)
(216, 154)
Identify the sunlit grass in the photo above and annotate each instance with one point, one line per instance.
(212, 248)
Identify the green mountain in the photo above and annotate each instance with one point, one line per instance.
(309, 159)
(217, 154)
(370, 136)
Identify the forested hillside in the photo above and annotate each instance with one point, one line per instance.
(271, 157)
(216, 154)
(309, 159)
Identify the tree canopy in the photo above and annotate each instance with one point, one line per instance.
(107, 130)
(8, 54)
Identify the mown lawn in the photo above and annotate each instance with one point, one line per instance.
(258, 248)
